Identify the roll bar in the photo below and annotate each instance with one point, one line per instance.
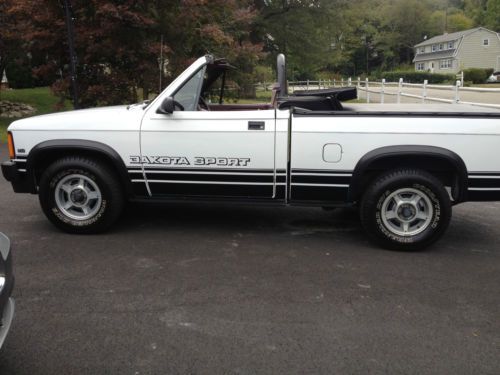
(283, 87)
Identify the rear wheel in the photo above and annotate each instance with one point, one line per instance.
(79, 195)
(406, 209)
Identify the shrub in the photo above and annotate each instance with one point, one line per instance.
(418, 77)
(477, 75)
(19, 75)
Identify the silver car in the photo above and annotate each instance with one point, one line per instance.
(495, 77)
(6, 286)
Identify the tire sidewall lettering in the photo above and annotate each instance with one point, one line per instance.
(60, 215)
(409, 239)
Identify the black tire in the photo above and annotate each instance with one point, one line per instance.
(379, 197)
(111, 199)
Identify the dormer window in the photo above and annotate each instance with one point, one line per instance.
(441, 46)
(451, 45)
(434, 48)
(422, 50)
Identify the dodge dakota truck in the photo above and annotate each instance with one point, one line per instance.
(404, 166)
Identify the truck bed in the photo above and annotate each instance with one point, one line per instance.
(418, 108)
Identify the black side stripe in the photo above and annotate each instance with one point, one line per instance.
(484, 181)
(209, 182)
(307, 179)
(471, 174)
(208, 177)
(206, 170)
(224, 190)
(321, 172)
(136, 175)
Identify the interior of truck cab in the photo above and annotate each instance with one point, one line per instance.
(215, 92)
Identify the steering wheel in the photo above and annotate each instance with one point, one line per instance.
(178, 105)
(203, 105)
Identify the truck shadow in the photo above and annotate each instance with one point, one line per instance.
(465, 233)
(239, 217)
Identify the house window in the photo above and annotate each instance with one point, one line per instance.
(434, 48)
(420, 66)
(422, 49)
(451, 45)
(441, 46)
(486, 42)
(446, 64)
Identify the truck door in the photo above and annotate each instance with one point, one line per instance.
(195, 152)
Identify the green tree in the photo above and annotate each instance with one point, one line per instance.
(114, 46)
(220, 27)
(492, 17)
(309, 32)
(455, 20)
(475, 10)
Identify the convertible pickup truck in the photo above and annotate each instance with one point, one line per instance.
(404, 166)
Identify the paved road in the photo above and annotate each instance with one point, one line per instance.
(212, 289)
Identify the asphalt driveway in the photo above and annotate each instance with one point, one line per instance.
(220, 289)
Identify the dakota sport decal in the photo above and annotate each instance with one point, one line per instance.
(182, 160)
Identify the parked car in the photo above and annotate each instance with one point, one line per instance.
(495, 77)
(404, 165)
(6, 286)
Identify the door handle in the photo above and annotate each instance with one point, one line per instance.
(256, 125)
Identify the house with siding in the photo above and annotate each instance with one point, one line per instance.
(451, 53)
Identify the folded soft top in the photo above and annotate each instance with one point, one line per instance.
(340, 93)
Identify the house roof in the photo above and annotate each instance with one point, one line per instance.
(434, 55)
(449, 37)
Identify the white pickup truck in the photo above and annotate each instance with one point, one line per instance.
(404, 166)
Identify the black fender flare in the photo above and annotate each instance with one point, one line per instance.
(89, 147)
(408, 151)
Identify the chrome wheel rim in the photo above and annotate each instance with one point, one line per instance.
(407, 212)
(78, 197)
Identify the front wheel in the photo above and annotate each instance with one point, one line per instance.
(406, 210)
(79, 195)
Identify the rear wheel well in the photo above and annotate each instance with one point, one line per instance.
(445, 170)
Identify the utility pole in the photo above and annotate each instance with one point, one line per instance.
(161, 64)
(446, 18)
(72, 55)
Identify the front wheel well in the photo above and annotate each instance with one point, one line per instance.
(43, 156)
(50, 156)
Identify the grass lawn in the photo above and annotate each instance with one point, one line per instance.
(488, 85)
(260, 97)
(40, 98)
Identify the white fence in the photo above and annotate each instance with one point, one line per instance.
(384, 89)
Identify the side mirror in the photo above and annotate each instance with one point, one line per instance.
(169, 105)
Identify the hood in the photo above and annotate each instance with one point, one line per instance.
(84, 119)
